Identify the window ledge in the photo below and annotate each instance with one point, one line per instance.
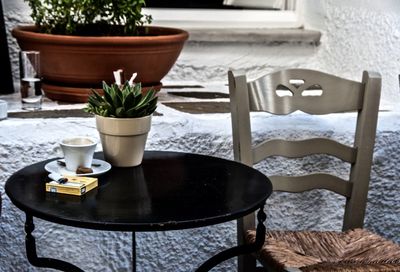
(253, 35)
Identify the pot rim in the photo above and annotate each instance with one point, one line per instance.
(122, 119)
(123, 126)
(28, 32)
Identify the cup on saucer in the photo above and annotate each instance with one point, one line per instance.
(78, 152)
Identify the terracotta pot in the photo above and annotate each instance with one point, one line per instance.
(123, 139)
(75, 64)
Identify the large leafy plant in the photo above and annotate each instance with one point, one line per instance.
(89, 17)
(124, 101)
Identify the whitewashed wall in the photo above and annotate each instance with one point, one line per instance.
(356, 35)
(23, 142)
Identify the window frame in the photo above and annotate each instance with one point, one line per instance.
(227, 19)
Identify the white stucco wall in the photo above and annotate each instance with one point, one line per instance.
(356, 35)
(23, 142)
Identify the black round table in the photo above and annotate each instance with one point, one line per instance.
(168, 191)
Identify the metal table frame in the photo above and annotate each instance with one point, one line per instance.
(33, 259)
(248, 206)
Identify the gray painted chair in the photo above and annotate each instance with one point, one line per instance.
(282, 93)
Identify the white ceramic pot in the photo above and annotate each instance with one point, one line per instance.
(123, 139)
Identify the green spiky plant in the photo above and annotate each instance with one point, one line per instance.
(122, 101)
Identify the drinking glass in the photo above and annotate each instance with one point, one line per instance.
(31, 83)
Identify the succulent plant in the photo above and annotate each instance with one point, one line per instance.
(125, 101)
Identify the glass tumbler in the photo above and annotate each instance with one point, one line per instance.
(31, 82)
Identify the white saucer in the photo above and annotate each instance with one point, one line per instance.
(53, 166)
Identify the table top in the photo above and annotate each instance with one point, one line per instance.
(168, 191)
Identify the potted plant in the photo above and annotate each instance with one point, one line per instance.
(82, 41)
(123, 119)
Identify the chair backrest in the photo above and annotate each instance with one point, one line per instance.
(331, 95)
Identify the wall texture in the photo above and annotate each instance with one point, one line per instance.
(206, 134)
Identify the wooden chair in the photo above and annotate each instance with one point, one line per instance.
(354, 249)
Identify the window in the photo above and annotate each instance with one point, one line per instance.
(223, 4)
(226, 14)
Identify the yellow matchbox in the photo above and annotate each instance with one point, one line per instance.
(74, 185)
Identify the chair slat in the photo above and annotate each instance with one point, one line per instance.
(299, 184)
(338, 94)
(313, 92)
(298, 149)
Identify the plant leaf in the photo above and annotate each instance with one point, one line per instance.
(122, 102)
(108, 95)
(120, 112)
(129, 101)
(131, 113)
(152, 105)
(145, 99)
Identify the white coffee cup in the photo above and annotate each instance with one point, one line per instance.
(78, 152)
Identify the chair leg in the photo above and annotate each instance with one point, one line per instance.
(246, 263)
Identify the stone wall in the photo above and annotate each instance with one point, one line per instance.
(24, 141)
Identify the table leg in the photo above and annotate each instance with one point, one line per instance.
(133, 252)
(30, 244)
(239, 250)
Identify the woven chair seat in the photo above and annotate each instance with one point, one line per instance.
(353, 250)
